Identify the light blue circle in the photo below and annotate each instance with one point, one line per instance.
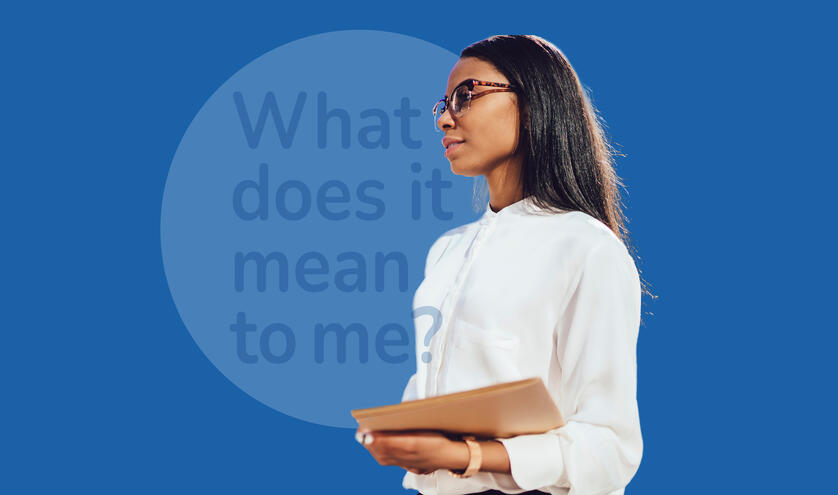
(248, 146)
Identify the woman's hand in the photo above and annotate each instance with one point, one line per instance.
(419, 452)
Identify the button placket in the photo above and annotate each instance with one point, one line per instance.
(474, 249)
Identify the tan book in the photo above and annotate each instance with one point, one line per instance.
(498, 411)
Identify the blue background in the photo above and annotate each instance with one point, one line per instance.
(726, 116)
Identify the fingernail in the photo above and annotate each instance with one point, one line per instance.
(359, 437)
(368, 439)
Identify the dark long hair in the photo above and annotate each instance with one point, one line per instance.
(569, 162)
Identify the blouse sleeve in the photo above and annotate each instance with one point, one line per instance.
(434, 253)
(599, 447)
(409, 392)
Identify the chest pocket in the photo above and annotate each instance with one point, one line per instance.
(480, 357)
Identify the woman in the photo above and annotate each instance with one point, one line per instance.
(541, 285)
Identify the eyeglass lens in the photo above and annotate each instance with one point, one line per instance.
(457, 103)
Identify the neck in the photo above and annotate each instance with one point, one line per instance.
(505, 182)
(504, 186)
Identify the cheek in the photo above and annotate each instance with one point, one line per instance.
(497, 137)
(492, 136)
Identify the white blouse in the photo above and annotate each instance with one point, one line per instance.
(525, 292)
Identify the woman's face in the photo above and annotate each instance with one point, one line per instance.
(489, 128)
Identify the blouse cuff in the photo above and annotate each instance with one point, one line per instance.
(535, 460)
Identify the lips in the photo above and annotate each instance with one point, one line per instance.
(449, 139)
(451, 144)
(453, 148)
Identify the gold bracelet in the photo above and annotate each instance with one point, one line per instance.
(475, 459)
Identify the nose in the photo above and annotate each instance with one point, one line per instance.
(445, 121)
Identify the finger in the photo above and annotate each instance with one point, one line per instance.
(364, 438)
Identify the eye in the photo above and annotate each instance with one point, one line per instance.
(461, 95)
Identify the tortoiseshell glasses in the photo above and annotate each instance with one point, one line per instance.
(460, 99)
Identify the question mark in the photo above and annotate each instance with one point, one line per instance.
(429, 310)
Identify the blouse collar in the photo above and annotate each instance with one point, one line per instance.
(523, 206)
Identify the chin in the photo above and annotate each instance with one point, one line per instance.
(464, 171)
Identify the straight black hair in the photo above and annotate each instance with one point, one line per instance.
(569, 162)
